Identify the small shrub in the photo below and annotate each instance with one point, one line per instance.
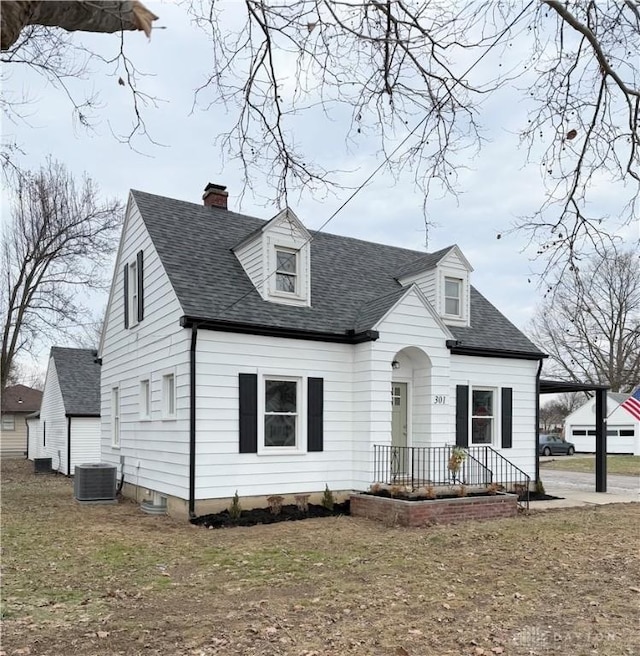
(540, 487)
(430, 492)
(327, 499)
(235, 509)
(302, 501)
(375, 488)
(461, 491)
(275, 504)
(492, 489)
(397, 490)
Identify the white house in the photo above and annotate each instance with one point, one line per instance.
(623, 426)
(68, 431)
(251, 355)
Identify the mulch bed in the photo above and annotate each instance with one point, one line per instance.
(288, 513)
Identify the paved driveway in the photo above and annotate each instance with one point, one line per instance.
(587, 481)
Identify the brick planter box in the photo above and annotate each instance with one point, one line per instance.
(433, 511)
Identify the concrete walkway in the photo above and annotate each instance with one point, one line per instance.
(576, 492)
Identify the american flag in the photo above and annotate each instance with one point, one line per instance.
(632, 404)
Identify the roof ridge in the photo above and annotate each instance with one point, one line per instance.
(313, 232)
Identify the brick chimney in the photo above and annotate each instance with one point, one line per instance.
(215, 196)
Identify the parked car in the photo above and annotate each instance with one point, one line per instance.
(552, 445)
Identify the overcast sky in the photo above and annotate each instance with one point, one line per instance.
(496, 187)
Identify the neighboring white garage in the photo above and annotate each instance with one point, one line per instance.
(623, 428)
(68, 431)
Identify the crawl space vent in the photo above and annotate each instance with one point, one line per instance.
(95, 482)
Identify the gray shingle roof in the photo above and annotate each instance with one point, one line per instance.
(353, 282)
(79, 379)
(424, 263)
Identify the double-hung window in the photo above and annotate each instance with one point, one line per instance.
(115, 417)
(482, 416)
(145, 399)
(169, 396)
(8, 423)
(452, 296)
(281, 413)
(286, 271)
(133, 295)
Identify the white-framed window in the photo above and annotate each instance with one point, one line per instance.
(115, 416)
(8, 423)
(145, 398)
(282, 405)
(133, 293)
(169, 396)
(287, 271)
(453, 297)
(483, 415)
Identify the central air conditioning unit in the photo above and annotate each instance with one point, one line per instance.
(95, 482)
(42, 465)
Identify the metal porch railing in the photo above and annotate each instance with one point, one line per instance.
(429, 466)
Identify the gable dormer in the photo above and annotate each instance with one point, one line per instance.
(444, 278)
(277, 260)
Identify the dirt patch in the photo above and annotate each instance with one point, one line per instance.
(112, 581)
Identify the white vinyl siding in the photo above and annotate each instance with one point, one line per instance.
(220, 468)
(157, 344)
(85, 441)
(496, 373)
(54, 422)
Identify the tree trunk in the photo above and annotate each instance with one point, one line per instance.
(73, 16)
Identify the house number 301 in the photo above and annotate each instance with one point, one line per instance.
(440, 399)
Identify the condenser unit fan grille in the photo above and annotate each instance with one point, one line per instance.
(95, 482)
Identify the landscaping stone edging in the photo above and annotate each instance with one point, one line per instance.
(398, 512)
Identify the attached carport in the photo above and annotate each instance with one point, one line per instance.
(558, 387)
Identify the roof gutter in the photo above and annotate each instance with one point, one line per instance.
(479, 352)
(350, 337)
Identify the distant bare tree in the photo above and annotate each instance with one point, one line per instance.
(55, 246)
(553, 413)
(590, 326)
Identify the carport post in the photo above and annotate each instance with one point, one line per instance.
(601, 440)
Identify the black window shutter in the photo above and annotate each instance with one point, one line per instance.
(126, 295)
(248, 387)
(507, 417)
(315, 409)
(462, 415)
(140, 264)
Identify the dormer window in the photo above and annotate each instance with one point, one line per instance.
(286, 271)
(452, 296)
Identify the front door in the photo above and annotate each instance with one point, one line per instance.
(399, 428)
